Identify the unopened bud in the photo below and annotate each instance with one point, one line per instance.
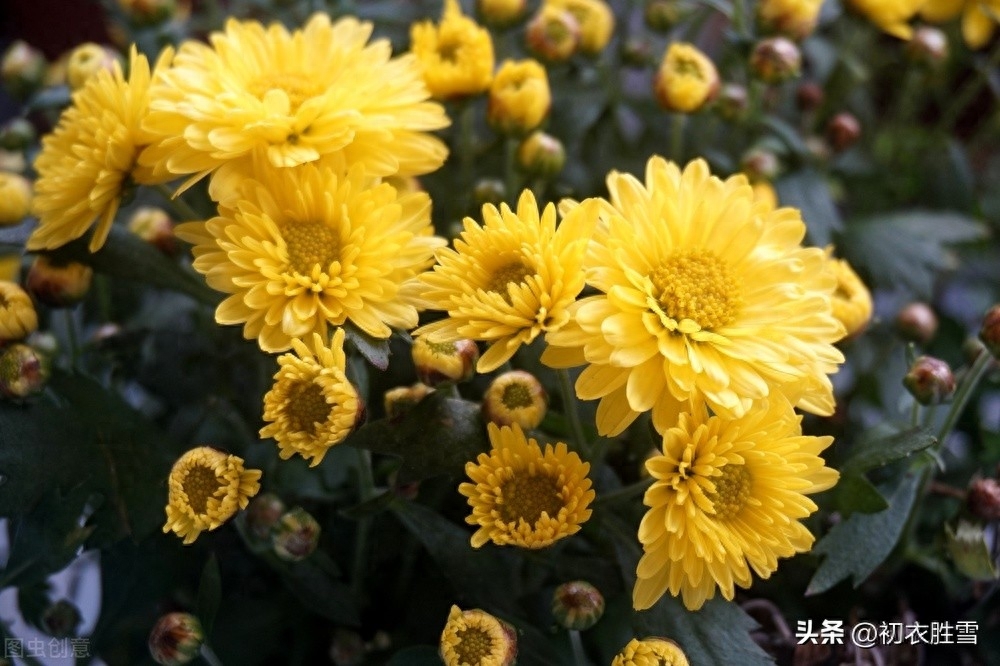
(61, 619)
(263, 514)
(87, 60)
(970, 552)
(501, 13)
(577, 605)
(17, 134)
(930, 380)
(929, 46)
(541, 154)
(732, 101)
(148, 12)
(402, 399)
(686, 79)
(515, 397)
(22, 69)
(917, 323)
(553, 34)
(347, 648)
(176, 639)
(296, 535)
(440, 363)
(972, 347)
(817, 147)
(989, 334)
(984, 499)
(760, 164)
(15, 198)
(489, 191)
(843, 131)
(776, 59)
(636, 52)
(154, 226)
(18, 318)
(57, 284)
(809, 96)
(661, 15)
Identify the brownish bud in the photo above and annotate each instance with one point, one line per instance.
(929, 46)
(263, 514)
(732, 101)
(636, 52)
(61, 619)
(661, 15)
(917, 322)
(989, 333)
(23, 371)
(776, 59)
(930, 380)
(295, 536)
(577, 605)
(843, 131)
(154, 226)
(984, 499)
(760, 164)
(58, 285)
(541, 155)
(176, 639)
(809, 96)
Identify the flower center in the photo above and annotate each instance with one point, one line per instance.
(310, 244)
(307, 407)
(688, 67)
(448, 50)
(732, 490)
(298, 87)
(515, 396)
(526, 497)
(474, 646)
(696, 285)
(199, 484)
(506, 275)
(442, 348)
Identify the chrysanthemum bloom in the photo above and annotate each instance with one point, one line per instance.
(890, 16)
(307, 250)
(456, 56)
(17, 313)
(15, 198)
(519, 97)
(476, 638)
(979, 18)
(727, 497)
(522, 496)
(794, 18)
(444, 362)
(206, 487)
(650, 652)
(88, 162)
(852, 302)
(312, 405)
(509, 280)
(686, 80)
(706, 293)
(515, 397)
(596, 20)
(319, 94)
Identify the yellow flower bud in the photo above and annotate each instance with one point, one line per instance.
(651, 651)
(541, 154)
(17, 313)
(852, 302)
(596, 21)
(15, 198)
(22, 68)
(58, 284)
(400, 400)
(661, 15)
(686, 80)
(519, 97)
(501, 13)
(794, 18)
(553, 34)
(85, 61)
(153, 225)
(515, 397)
(444, 362)
(456, 56)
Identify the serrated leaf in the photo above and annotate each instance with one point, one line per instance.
(872, 453)
(807, 190)
(375, 350)
(209, 594)
(855, 493)
(860, 543)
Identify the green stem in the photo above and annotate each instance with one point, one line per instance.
(74, 343)
(969, 91)
(512, 179)
(208, 654)
(178, 206)
(915, 415)
(572, 413)
(366, 489)
(739, 17)
(625, 493)
(579, 655)
(677, 137)
(964, 393)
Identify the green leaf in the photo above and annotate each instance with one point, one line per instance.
(32, 602)
(878, 452)
(969, 550)
(808, 191)
(907, 249)
(859, 544)
(375, 350)
(54, 97)
(788, 135)
(855, 493)
(417, 655)
(377, 504)
(317, 588)
(209, 594)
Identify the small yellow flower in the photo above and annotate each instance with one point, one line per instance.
(597, 22)
(154, 226)
(509, 280)
(686, 80)
(476, 638)
(456, 56)
(553, 34)
(852, 302)
(890, 16)
(979, 18)
(15, 198)
(205, 489)
(795, 18)
(501, 12)
(87, 60)
(650, 652)
(17, 313)
(312, 405)
(515, 397)
(519, 97)
(441, 362)
(522, 496)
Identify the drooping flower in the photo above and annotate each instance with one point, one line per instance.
(312, 405)
(522, 496)
(205, 489)
(519, 97)
(17, 313)
(456, 56)
(509, 280)
(597, 22)
(705, 293)
(650, 652)
(979, 18)
(852, 302)
(320, 94)
(88, 162)
(890, 16)
(686, 80)
(727, 498)
(476, 638)
(308, 250)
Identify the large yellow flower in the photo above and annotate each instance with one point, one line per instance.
(727, 497)
(525, 497)
(979, 18)
(312, 405)
(456, 56)
(705, 293)
(206, 488)
(320, 94)
(476, 638)
(650, 652)
(510, 279)
(88, 162)
(308, 249)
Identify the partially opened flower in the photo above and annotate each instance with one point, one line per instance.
(727, 499)
(311, 405)
(519, 97)
(704, 293)
(523, 496)
(650, 652)
(979, 17)
(308, 250)
(17, 313)
(686, 79)
(206, 487)
(456, 56)
(320, 94)
(596, 20)
(476, 638)
(509, 280)
(852, 302)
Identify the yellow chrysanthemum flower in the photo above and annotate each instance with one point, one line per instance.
(979, 18)
(88, 162)
(727, 497)
(705, 294)
(795, 18)
(890, 16)
(312, 405)
(852, 302)
(522, 496)
(519, 97)
(319, 94)
(17, 313)
(650, 652)
(205, 489)
(510, 279)
(596, 20)
(686, 80)
(308, 249)
(476, 638)
(456, 56)
(15, 198)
